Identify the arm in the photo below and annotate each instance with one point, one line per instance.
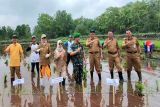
(7, 49)
(138, 47)
(118, 49)
(56, 56)
(105, 44)
(21, 53)
(28, 49)
(75, 52)
(49, 49)
(88, 43)
(66, 44)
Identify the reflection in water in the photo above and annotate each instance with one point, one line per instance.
(91, 94)
(150, 65)
(35, 92)
(15, 96)
(133, 100)
(118, 96)
(62, 97)
(95, 94)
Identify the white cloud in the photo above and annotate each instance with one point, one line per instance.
(14, 12)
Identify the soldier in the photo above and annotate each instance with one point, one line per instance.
(113, 55)
(95, 53)
(133, 50)
(16, 55)
(77, 58)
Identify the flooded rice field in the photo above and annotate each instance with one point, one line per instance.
(90, 94)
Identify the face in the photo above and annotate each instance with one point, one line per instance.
(70, 38)
(44, 40)
(128, 33)
(33, 39)
(77, 39)
(110, 35)
(60, 45)
(92, 35)
(14, 40)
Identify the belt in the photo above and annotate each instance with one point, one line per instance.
(132, 52)
(93, 52)
(112, 52)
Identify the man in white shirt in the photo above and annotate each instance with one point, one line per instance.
(34, 57)
(68, 44)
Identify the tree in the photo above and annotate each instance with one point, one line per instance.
(23, 31)
(63, 23)
(83, 25)
(45, 25)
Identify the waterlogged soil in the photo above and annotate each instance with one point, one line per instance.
(90, 94)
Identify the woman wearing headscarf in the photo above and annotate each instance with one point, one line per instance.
(45, 51)
(60, 61)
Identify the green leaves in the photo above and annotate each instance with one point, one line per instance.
(84, 74)
(139, 87)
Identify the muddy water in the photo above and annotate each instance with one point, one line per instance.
(90, 94)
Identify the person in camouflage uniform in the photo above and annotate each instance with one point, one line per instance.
(77, 54)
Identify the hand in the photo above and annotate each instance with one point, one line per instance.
(101, 57)
(78, 50)
(38, 50)
(84, 61)
(47, 55)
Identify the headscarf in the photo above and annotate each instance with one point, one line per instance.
(59, 48)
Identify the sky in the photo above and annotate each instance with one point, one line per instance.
(17, 12)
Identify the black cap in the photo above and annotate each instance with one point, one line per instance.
(92, 31)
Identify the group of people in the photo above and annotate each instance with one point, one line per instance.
(41, 56)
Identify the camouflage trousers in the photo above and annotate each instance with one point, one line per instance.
(77, 73)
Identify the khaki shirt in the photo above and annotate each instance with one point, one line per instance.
(95, 46)
(44, 49)
(112, 47)
(133, 44)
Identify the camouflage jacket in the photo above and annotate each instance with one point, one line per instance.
(77, 59)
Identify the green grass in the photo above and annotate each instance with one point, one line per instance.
(83, 41)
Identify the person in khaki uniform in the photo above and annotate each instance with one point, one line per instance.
(94, 54)
(16, 55)
(133, 50)
(113, 55)
(45, 51)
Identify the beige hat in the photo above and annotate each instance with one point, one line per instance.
(43, 36)
(33, 36)
(14, 36)
(59, 41)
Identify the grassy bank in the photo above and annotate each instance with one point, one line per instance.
(83, 40)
